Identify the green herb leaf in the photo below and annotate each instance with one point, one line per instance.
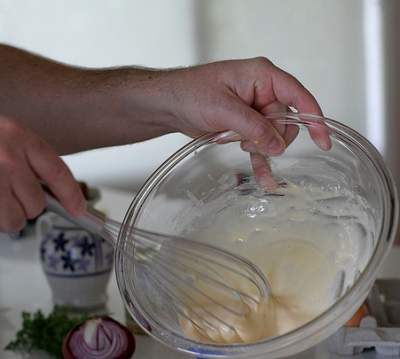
(39, 332)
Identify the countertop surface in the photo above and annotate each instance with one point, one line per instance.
(23, 286)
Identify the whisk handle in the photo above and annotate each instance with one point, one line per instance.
(93, 220)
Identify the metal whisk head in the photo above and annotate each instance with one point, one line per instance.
(205, 286)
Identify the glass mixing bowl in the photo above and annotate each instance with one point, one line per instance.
(204, 179)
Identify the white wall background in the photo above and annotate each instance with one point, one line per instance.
(321, 42)
(94, 33)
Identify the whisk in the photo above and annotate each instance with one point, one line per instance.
(209, 287)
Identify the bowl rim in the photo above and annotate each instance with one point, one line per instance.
(352, 299)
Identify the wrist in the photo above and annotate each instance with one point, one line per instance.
(144, 96)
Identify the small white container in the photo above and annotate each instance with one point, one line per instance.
(76, 263)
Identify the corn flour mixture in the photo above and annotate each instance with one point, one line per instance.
(310, 242)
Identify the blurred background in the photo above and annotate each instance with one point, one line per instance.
(346, 52)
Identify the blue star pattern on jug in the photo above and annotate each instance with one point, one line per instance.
(68, 250)
(77, 264)
(87, 247)
(59, 242)
(68, 262)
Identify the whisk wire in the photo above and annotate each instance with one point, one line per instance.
(195, 288)
(203, 275)
(196, 304)
(192, 250)
(181, 312)
(189, 273)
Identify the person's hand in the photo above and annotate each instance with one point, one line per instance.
(235, 95)
(26, 162)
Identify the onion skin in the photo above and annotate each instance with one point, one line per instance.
(120, 333)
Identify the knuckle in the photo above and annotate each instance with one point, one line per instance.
(262, 62)
(247, 146)
(244, 146)
(299, 91)
(257, 130)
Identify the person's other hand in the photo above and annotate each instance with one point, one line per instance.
(235, 95)
(26, 162)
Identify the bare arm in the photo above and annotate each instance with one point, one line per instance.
(43, 102)
(77, 109)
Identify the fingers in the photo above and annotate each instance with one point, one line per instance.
(226, 137)
(291, 133)
(262, 172)
(248, 146)
(261, 167)
(289, 91)
(251, 125)
(288, 132)
(276, 107)
(27, 189)
(56, 175)
(25, 161)
(12, 217)
(319, 132)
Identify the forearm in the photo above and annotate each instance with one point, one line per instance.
(77, 109)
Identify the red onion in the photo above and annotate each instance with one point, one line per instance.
(99, 338)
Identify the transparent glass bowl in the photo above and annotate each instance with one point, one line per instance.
(173, 197)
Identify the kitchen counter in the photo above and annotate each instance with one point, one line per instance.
(23, 286)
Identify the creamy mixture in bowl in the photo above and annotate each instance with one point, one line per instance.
(305, 239)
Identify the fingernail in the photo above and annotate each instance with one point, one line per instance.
(324, 144)
(249, 147)
(275, 147)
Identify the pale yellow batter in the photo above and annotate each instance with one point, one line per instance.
(305, 257)
(301, 280)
